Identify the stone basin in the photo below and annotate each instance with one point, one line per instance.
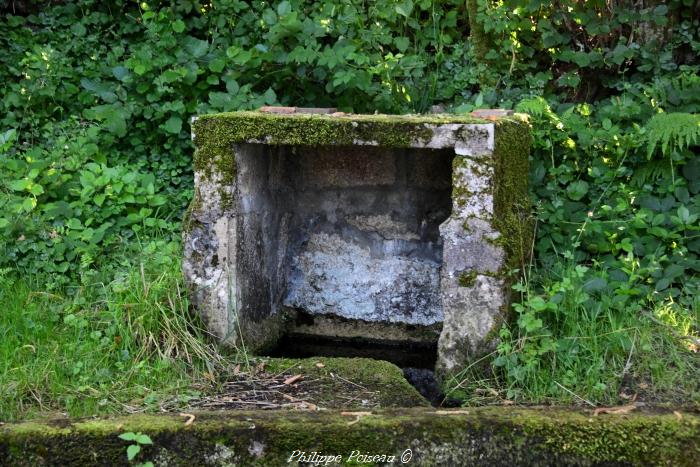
(390, 230)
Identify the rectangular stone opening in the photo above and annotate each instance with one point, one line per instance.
(373, 230)
(348, 238)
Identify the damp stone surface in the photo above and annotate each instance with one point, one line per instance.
(387, 229)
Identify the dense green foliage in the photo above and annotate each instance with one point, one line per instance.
(95, 153)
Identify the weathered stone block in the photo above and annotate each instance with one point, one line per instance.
(348, 166)
(404, 224)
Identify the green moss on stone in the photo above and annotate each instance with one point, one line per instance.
(216, 135)
(380, 377)
(460, 192)
(396, 131)
(467, 279)
(512, 216)
(480, 436)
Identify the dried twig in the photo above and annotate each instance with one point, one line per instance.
(623, 409)
(190, 418)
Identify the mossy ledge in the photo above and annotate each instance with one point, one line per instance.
(479, 436)
(385, 380)
(397, 131)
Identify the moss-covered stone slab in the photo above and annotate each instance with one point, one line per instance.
(488, 436)
(373, 222)
(322, 382)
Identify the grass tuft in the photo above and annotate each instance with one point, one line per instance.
(121, 341)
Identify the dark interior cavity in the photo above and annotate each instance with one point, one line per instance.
(349, 232)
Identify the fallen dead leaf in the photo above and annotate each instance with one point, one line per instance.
(301, 404)
(308, 405)
(260, 367)
(678, 415)
(237, 369)
(293, 379)
(623, 409)
(190, 418)
(507, 402)
(320, 365)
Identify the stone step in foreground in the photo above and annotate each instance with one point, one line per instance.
(488, 436)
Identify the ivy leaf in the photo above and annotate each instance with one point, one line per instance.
(19, 185)
(402, 43)
(231, 85)
(626, 245)
(101, 90)
(270, 96)
(217, 65)
(537, 304)
(238, 55)
(577, 190)
(143, 439)
(595, 285)
(661, 10)
(179, 26)
(570, 79)
(36, 189)
(404, 8)
(173, 125)
(78, 29)
(74, 224)
(132, 451)
(196, 47)
(269, 17)
(662, 284)
(284, 8)
(140, 69)
(581, 59)
(7, 138)
(28, 204)
(120, 72)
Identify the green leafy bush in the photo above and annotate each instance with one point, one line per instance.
(118, 83)
(618, 249)
(63, 208)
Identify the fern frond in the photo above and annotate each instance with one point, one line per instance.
(672, 131)
(650, 171)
